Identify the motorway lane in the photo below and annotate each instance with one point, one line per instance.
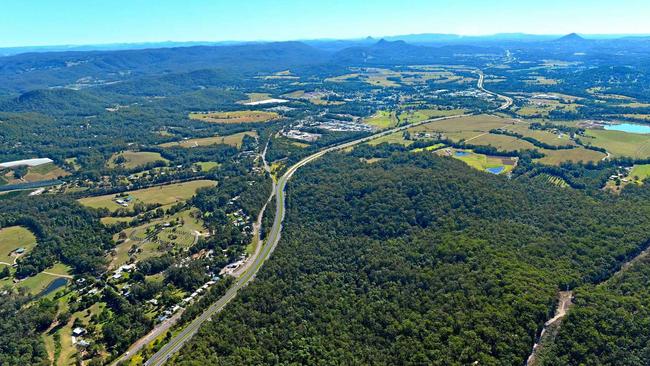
(273, 238)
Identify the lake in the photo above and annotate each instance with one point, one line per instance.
(461, 153)
(629, 127)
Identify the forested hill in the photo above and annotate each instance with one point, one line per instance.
(29, 71)
(417, 260)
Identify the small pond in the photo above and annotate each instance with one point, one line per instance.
(496, 170)
(461, 153)
(53, 286)
(629, 127)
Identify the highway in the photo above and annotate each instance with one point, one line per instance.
(268, 246)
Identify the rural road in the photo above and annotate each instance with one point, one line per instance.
(273, 237)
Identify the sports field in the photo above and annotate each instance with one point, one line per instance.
(235, 117)
(163, 195)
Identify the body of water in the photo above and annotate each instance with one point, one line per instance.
(496, 170)
(629, 127)
(53, 286)
(461, 153)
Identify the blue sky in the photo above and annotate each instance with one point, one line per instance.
(58, 22)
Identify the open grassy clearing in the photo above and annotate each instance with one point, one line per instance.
(543, 107)
(429, 148)
(419, 115)
(546, 137)
(162, 195)
(541, 80)
(134, 159)
(556, 157)
(154, 239)
(13, 238)
(234, 117)
(391, 78)
(382, 120)
(36, 284)
(255, 97)
(207, 166)
(480, 161)
(466, 127)
(395, 138)
(637, 175)
(49, 171)
(232, 140)
(619, 143)
(502, 142)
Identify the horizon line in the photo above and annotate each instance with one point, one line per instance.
(330, 39)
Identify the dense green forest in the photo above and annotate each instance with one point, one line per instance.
(609, 324)
(418, 260)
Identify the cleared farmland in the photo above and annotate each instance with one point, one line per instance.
(235, 117)
(134, 159)
(162, 195)
(232, 140)
(12, 238)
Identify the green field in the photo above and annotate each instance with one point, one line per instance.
(382, 120)
(135, 159)
(480, 161)
(163, 195)
(464, 127)
(38, 173)
(235, 117)
(38, 283)
(206, 166)
(640, 172)
(546, 137)
(255, 97)
(395, 138)
(620, 143)
(12, 238)
(166, 238)
(502, 142)
(429, 148)
(556, 157)
(233, 140)
(419, 115)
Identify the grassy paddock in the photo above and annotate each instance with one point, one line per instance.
(382, 120)
(12, 238)
(232, 140)
(135, 159)
(163, 195)
(556, 157)
(620, 143)
(235, 117)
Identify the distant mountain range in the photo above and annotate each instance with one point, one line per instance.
(331, 44)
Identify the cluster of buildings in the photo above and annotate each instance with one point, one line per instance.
(123, 201)
(301, 135)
